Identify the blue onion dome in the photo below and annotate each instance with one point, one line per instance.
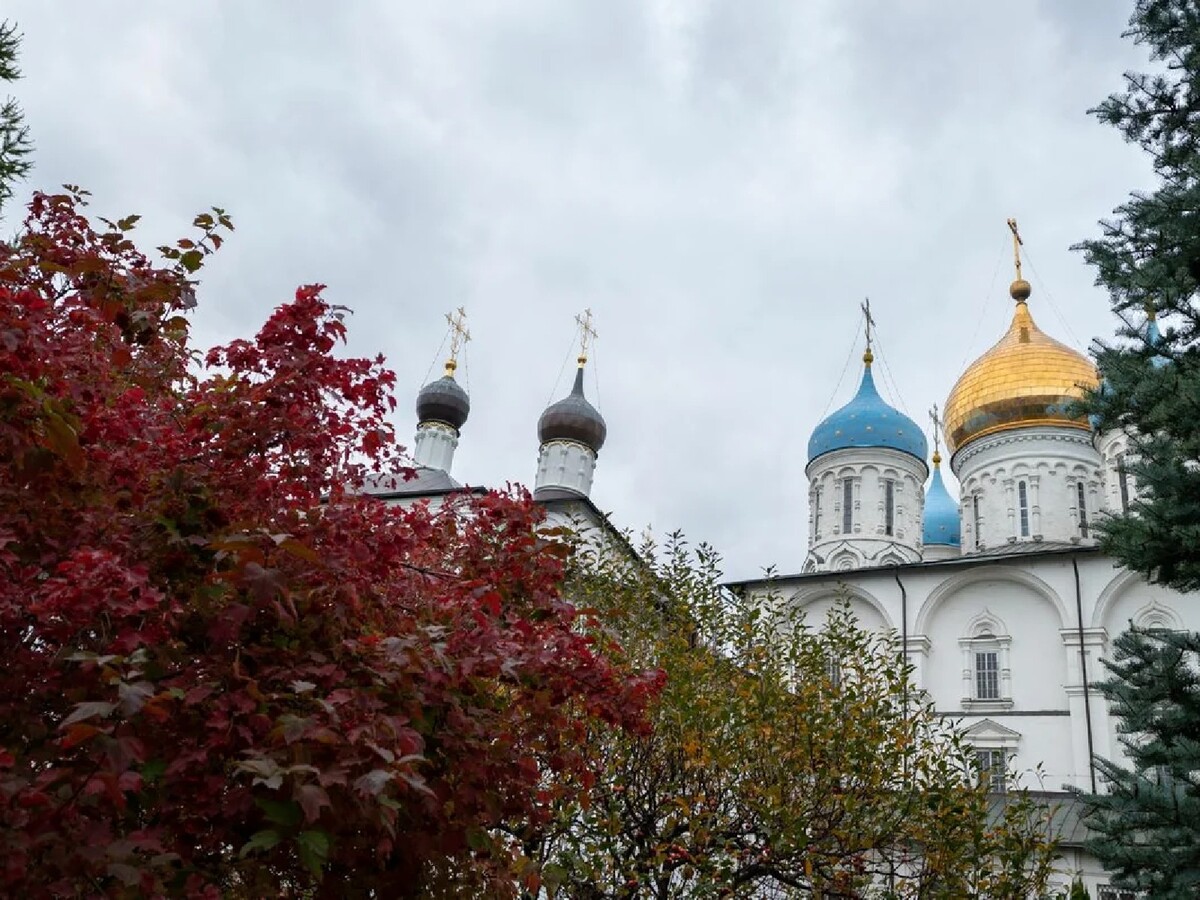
(444, 400)
(867, 421)
(573, 419)
(1154, 339)
(1158, 361)
(942, 524)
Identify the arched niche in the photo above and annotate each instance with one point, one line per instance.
(980, 574)
(816, 602)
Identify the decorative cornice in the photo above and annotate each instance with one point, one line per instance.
(1062, 434)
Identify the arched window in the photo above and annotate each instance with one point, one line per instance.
(1023, 506)
(1123, 482)
(987, 676)
(847, 505)
(976, 521)
(817, 511)
(889, 507)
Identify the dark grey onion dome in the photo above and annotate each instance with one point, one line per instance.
(573, 419)
(443, 400)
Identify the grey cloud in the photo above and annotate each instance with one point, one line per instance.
(722, 182)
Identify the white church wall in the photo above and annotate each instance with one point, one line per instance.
(1028, 601)
(1024, 628)
(1049, 462)
(868, 470)
(566, 464)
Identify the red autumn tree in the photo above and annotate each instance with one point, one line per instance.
(222, 671)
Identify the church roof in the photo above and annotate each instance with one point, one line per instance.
(1003, 553)
(444, 400)
(426, 483)
(573, 418)
(867, 421)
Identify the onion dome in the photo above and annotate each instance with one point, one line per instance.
(573, 419)
(1154, 339)
(444, 400)
(1027, 378)
(867, 421)
(942, 524)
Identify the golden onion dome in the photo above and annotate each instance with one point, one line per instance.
(1027, 378)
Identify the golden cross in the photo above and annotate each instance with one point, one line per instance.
(1017, 245)
(937, 432)
(458, 337)
(866, 311)
(587, 334)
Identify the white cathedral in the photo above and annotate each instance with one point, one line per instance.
(1000, 597)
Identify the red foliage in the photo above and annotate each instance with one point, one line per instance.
(223, 671)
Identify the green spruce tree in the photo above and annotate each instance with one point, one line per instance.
(15, 143)
(1148, 258)
(1147, 826)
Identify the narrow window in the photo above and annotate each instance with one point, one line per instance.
(1023, 505)
(847, 505)
(992, 769)
(1123, 482)
(817, 510)
(975, 517)
(833, 670)
(987, 675)
(889, 506)
(1081, 494)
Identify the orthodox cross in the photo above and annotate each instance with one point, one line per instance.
(866, 311)
(936, 418)
(587, 334)
(1017, 245)
(458, 337)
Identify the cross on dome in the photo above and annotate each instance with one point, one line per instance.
(458, 337)
(937, 434)
(869, 323)
(587, 334)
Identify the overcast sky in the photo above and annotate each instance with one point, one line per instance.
(720, 182)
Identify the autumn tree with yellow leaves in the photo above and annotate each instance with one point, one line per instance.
(787, 758)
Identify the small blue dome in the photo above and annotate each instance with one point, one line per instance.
(867, 421)
(941, 514)
(1154, 339)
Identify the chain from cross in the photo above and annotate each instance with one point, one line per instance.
(458, 336)
(866, 311)
(587, 334)
(937, 430)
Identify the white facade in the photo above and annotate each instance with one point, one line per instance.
(865, 507)
(565, 464)
(995, 643)
(1026, 485)
(434, 445)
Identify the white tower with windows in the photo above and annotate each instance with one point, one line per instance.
(866, 475)
(1027, 467)
(571, 433)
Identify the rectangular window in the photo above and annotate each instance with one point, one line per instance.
(816, 510)
(976, 521)
(889, 506)
(993, 769)
(1123, 482)
(987, 675)
(833, 669)
(847, 505)
(1081, 493)
(1023, 505)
